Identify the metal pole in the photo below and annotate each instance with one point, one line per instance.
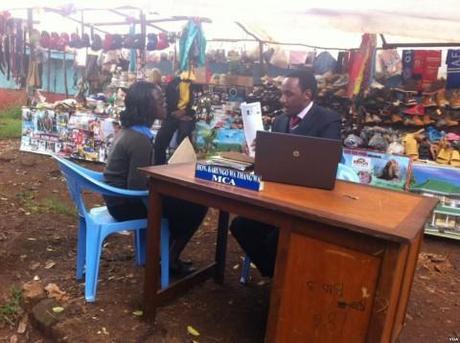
(30, 26)
(143, 33)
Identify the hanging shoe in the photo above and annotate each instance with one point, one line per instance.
(410, 146)
(433, 134)
(427, 120)
(378, 142)
(416, 121)
(368, 119)
(428, 99)
(441, 99)
(376, 119)
(444, 156)
(417, 110)
(409, 99)
(376, 85)
(452, 137)
(341, 93)
(441, 123)
(395, 148)
(455, 99)
(424, 150)
(341, 81)
(455, 158)
(396, 118)
(450, 122)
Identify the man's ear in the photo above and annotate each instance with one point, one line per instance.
(308, 93)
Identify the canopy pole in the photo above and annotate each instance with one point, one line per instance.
(30, 25)
(419, 45)
(143, 33)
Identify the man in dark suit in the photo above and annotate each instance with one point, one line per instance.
(302, 117)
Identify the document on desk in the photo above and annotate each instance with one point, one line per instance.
(252, 122)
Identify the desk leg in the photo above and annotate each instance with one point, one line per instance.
(152, 265)
(221, 247)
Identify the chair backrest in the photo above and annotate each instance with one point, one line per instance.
(79, 179)
(346, 173)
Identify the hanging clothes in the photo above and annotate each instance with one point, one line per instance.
(192, 45)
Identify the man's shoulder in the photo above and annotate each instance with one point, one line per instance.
(326, 113)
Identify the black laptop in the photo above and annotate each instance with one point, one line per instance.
(298, 160)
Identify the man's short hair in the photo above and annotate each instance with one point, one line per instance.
(306, 80)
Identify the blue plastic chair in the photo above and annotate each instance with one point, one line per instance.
(96, 224)
(345, 173)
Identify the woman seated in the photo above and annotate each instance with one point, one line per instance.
(133, 148)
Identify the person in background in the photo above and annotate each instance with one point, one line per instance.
(301, 117)
(180, 115)
(133, 148)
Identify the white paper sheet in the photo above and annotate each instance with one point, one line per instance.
(252, 122)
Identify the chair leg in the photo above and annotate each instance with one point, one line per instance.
(81, 249)
(245, 270)
(139, 241)
(93, 255)
(164, 252)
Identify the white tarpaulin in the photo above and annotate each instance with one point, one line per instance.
(326, 23)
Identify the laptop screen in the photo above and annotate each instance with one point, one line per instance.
(298, 160)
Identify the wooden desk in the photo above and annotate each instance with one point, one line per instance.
(346, 258)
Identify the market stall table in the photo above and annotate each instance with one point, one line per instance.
(346, 258)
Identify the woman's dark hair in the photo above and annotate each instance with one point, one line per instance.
(140, 106)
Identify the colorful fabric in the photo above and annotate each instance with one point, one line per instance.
(389, 63)
(408, 61)
(324, 62)
(419, 62)
(360, 67)
(184, 95)
(453, 68)
(192, 46)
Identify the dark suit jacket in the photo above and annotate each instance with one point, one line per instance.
(319, 122)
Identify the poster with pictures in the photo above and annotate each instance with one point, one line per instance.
(443, 182)
(379, 169)
(80, 135)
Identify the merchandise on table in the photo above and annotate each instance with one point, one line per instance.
(443, 183)
(81, 135)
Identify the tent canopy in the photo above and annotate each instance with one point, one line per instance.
(325, 23)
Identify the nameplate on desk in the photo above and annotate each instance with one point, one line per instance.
(228, 176)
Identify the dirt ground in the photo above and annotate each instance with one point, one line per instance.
(37, 247)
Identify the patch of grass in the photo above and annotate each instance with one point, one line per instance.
(50, 204)
(54, 205)
(11, 310)
(10, 123)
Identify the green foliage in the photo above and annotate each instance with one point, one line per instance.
(11, 310)
(10, 123)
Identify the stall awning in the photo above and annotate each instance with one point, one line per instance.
(325, 23)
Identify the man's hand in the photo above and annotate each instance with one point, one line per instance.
(246, 148)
